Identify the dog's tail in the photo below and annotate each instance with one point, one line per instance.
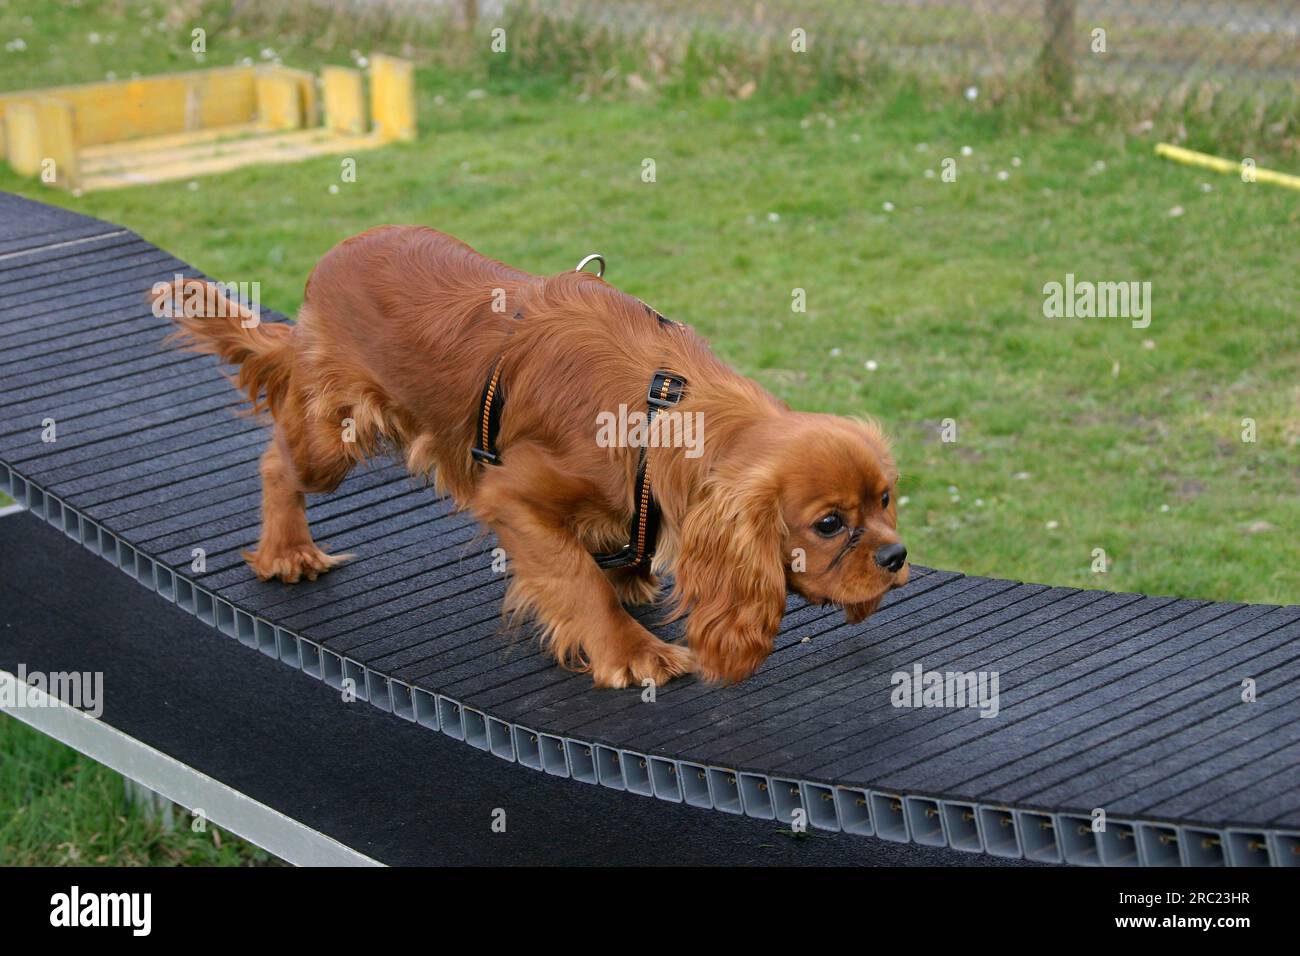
(209, 321)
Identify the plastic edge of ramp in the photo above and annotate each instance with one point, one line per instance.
(1000, 831)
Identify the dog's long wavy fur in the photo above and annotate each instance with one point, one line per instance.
(398, 329)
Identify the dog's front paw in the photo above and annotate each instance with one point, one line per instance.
(290, 563)
(645, 659)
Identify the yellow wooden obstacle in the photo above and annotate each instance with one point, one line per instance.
(130, 132)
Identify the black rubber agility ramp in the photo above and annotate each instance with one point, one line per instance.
(1122, 703)
(387, 789)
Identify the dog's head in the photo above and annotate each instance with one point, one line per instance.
(803, 503)
(837, 503)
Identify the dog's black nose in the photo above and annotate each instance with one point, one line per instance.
(891, 556)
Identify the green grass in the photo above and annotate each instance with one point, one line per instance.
(1130, 438)
(58, 808)
(1113, 425)
(1073, 434)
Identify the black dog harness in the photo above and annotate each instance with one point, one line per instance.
(666, 389)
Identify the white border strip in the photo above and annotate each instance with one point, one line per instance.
(61, 245)
(225, 807)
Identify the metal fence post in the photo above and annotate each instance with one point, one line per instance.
(1058, 56)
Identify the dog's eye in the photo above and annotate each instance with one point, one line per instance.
(884, 499)
(829, 524)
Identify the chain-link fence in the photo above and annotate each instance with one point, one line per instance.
(1157, 44)
(1203, 54)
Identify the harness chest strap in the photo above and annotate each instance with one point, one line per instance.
(666, 389)
(489, 422)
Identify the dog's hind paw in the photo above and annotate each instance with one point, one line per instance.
(291, 563)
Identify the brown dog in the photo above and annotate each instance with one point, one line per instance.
(399, 330)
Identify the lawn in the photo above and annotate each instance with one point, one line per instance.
(924, 297)
(58, 808)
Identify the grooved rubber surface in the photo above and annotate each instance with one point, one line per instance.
(383, 786)
(1121, 701)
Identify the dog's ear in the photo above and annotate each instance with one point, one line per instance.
(857, 613)
(730, 576)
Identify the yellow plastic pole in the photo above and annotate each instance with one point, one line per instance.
(1189, 157)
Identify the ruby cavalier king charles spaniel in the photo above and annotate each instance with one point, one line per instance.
(499, 385)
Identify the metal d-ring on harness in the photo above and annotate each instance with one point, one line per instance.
(587, 260)
(666, 389)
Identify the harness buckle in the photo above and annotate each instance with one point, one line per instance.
(665, 389)
(485, 456)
